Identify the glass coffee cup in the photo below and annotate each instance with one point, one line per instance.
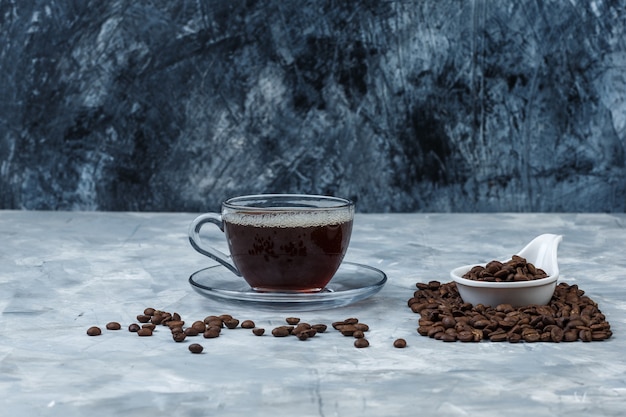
(280, 242)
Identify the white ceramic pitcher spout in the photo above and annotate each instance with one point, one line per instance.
(542, 252)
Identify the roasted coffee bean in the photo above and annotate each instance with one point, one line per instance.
(143, 318)
(213, 321)
(176, 329)
(148, 326)
(351, 320)
(212, 332)
(174, 323)
(362, 327)
(164, 317)
(448, 322)
(292, 320)
(258, 331)
(498, 336)
(556, 334)
(179, 337)
(192, 331)
(434, 330)
(600, 335)
(199, 326)
(195, 348)
(361, 343)
(134, 327)
(445, 337)
(531, 336)
(358, 334)
(301, 327)
(94, 331)
(423, 330)
(145, 331)
(281, 331)
(347, 329)
(247, 324)
(225, 317)
(304, 332)
(320, 328)
(231, 323)
(585, 335)
(113, 325)
(465, 336)
(399, 343)
(149, 311)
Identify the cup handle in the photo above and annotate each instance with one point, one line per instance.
(196, 242)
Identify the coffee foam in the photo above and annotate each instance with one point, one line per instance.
(289, 219)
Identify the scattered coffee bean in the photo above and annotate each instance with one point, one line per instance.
(113, 325)
(302, 335)
(292, 320)
(134, 327)
(320, 328)
(94, 331)
(199, 326)
(231, 323)
(212, 332)
(300, 328)
(358, 334)
(174, 323)
(175, 330)
(149, 311)
(247, 324)
(347, 329)
(150, 326)
(207, 319)
(281, 331)
(156, 319)
(145, 331)
(195, 348)
(362, 327)
(142, 318)
(399, 343)
(305, 334)
(179, 337)
(258, 331)
(361, 343)
(192, 331)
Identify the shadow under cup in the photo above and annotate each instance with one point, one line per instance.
(288, 243)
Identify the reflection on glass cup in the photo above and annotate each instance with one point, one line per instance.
(281, 242)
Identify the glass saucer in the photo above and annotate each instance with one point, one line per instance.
(352, 282)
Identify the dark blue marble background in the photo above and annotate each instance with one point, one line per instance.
(431, 105)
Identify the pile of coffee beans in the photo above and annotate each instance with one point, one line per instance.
(516, 269)
(351, 327)
(301, 330)
(570, 316)
(211, 327)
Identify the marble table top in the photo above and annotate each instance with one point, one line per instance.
(62, 272)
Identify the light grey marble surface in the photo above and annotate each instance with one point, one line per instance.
(62, 272)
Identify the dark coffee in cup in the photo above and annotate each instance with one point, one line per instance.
(280, 242)
(288, 251)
